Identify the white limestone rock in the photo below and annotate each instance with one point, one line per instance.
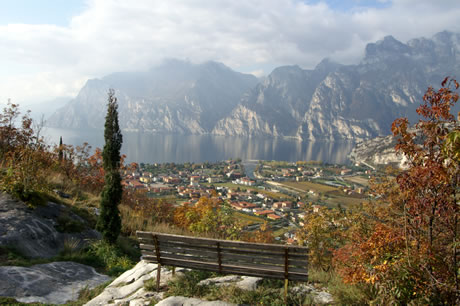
(243, 282)
(184, 301)
(129, 287)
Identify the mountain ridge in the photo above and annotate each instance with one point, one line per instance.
(330, 102)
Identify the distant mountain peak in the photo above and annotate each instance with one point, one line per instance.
(386, 49)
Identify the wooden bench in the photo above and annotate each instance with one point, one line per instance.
(224, 256)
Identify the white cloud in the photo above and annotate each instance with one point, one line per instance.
(113, 35)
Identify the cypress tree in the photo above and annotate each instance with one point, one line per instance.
(109, 222)
(60, 154)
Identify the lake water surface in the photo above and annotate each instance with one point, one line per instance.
(152, 148)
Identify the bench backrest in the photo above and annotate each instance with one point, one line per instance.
(244, 258)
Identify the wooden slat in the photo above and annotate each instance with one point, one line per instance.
(262, 253)
(144, 246)
(149, 258)
(268, 272)
(252, 246)
(182, 257)
(212, 254)
(144, 235)
(250, 259)
(188, 246)
(297, 262)
(185, 239)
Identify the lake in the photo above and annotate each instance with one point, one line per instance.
(153, 148)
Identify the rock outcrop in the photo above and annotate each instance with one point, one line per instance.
(130, 288)
(33, 232)
(52, 283)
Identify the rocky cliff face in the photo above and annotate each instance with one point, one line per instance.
(346, 102)
(176, 97)
(379, 151)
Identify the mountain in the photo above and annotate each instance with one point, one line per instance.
(175, 97)
(330, 102)
(336, 101)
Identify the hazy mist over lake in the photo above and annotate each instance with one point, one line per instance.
(155, 148)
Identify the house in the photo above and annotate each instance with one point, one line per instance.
(172, 180)
(245, 206)
(273, 217)
(285, 204)
(263, 212)
(316, 208)
(145, 179)
(147, 174)
(135, 184)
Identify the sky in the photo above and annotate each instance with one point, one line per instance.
(50, 48)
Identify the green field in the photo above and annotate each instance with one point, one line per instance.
(281, 231)
(307, 186)
(247, 219)
(358, 179)
(273, 195)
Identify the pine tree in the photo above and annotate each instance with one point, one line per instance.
(109, 223)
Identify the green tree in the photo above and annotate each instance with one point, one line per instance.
(109, 222)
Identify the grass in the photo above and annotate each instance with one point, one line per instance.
(280, 232)
(274, 195)
(269, 292)
(358, 179)
(344, 294)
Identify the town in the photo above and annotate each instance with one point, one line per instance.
(273, 192)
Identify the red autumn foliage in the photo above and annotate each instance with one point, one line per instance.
(412, 252)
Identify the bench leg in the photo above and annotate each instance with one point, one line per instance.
(286, 282)
(158, 277)
(173, 271)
